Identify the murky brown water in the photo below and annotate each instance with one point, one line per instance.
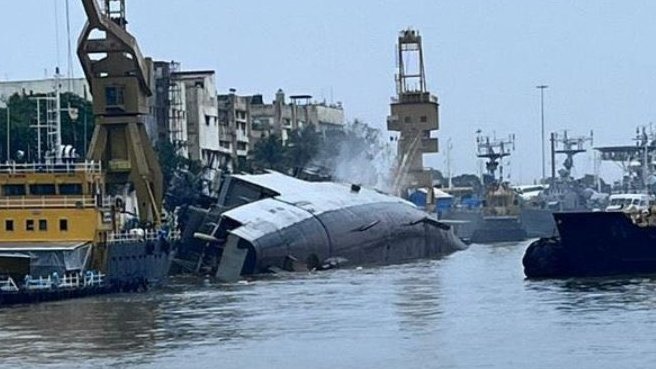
(473, 309)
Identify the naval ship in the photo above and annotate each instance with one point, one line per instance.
(71, 227)
(562, 192)
(497, 220)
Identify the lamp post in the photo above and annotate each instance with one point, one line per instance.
(541, 88)
(8, 124)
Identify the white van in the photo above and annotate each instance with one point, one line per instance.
(630, 202)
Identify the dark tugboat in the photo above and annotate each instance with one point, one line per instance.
(65, 224)
(593, 244)
(621, 241)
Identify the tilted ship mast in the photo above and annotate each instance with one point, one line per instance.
(119, 78)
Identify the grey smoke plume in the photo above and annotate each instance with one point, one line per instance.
(358, 154)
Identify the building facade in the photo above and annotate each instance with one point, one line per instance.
(201, 113)
(281, 117)
(78, 86)
(234, 129)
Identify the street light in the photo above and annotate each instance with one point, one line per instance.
(542, 87)
(5, 100)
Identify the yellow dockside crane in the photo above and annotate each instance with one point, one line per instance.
(119, 77)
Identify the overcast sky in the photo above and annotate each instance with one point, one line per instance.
(483, 59)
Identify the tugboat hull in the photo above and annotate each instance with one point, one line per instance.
(593, 244)
(130, 266)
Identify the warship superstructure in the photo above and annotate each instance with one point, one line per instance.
(562, 192)
(497, 220)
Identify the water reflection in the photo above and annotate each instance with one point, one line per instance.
(417, 299)
(598, 294)
(474, 309)
(86, 328)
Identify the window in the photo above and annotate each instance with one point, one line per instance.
(407, 120)
(43, 225)
(29, 225)
(42, 189)
(63, 225)
(423, 119)
(13, 190)
(207, 120)
(9, 225)
(70, 189)
(114, 95)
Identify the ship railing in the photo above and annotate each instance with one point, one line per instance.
(139, 235)
(8, 285)
(92, 279)
(40, 283)
(24, 202)
(69, 280)
(87, 166)
(72, 280)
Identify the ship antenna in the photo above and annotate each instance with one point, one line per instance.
(70, 50)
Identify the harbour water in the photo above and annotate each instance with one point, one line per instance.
(473, 309)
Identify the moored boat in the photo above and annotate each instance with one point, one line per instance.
(72, 228)
(497, 219)
(61, 237)
(593, 244)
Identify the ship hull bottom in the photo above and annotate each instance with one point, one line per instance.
(593, 244)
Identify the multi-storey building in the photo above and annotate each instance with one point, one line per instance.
(185, 107)
(281, 117)
(202, 122)
(78, 86)
(234, 128)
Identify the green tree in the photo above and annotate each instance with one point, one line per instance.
(269, 153)
(169, 160)
(301, 147)
(23, 115)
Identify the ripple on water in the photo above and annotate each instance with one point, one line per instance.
(472, 309)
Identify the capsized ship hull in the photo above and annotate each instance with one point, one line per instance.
(271, 221)
(592, 244)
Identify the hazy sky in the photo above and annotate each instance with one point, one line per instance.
(483, 59)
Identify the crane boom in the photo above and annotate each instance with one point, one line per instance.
(119, 77)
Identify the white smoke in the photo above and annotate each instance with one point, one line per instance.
(359, 155)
